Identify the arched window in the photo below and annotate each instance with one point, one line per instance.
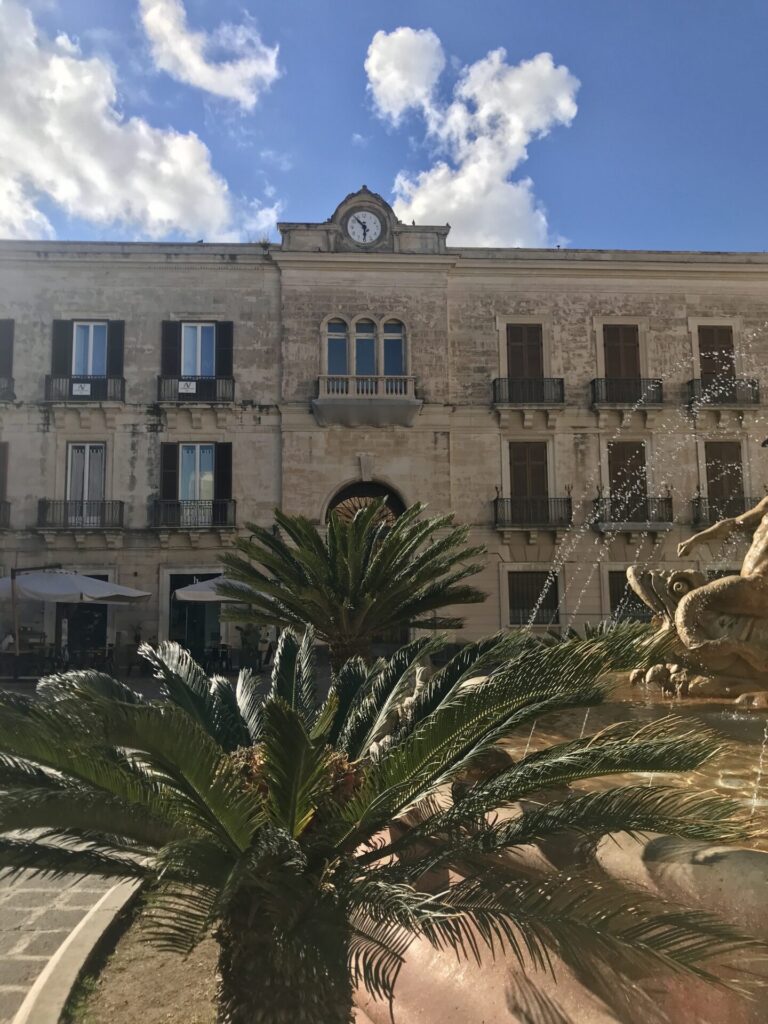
(338, 359)
(353, 497)
(394, 349)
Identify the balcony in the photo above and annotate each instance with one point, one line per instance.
(79, 515)
(84, 389)
(5, 515)
(724, 392)
(707, 511)
(195, 389)
(7, 393)
(620, 391)
(632, 514)
(532, 513)
(216, 514)
(522, 391)
(372, 401)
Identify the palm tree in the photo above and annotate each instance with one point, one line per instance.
(311, 847)
(364, 578)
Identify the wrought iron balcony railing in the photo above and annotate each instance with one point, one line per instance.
(84, 389)
(376, 386)
(79, 515)
(5, 515)
(627, 391)
(532, 512)
(528, 391)
(7, 393)
(195, 389)
(724, 391)
(706, 511)
(633, 510)
(218, 513)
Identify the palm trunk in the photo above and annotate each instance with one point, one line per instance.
(265, 977)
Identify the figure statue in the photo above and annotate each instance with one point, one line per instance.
(721, 625)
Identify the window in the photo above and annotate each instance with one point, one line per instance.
(716, 356)
(337, 349)
(627, 481)
(196, 472)
(525, 351)
(621, 344)
(625, 604)
(89, 350)
(394, 349)
(85, 484)
(365, 348)
(6, 360)
(725, 479)
(198, 350)
(533, 598)
(195, 485)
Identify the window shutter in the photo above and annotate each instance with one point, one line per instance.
(621, 344)
(224, 347)
(169, 472)
(6, 348)
(61, 348)
(3, 470)
(528, 469)
(170, 349)
(115, 347)
(525, 351)
(222, 471)
(716, 356)
(725, 477)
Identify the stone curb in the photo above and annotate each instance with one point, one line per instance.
(45, 1001)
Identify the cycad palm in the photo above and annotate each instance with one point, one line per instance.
(363, 578)
(277, 822)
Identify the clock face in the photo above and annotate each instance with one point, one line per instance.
(364, 227)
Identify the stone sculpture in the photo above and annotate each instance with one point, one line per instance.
(719, 627)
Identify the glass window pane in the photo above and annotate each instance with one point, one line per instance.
(393, 327)
(188, 473)
(207, 351)
(206, 472)
(98, 350)
(394, 364)
(95, 472)
(337, 356)
(365, 357)
(189, 351)
(80, 351)
(76, 472)
(365, 327)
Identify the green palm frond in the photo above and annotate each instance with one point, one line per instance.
(177, 915)
(249, 702)
(376, 953)
(66, 857)
(85, 684)
(293, 673)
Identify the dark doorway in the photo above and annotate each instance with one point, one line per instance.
(81, 629)
(193, 624)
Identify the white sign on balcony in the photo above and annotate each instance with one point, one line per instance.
(80, 390)
(187, 387)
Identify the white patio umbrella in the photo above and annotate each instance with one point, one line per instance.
(205, 590)
(61, 587)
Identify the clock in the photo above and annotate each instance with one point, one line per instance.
(363, 227)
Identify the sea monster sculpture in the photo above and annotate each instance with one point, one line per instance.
(720, 647)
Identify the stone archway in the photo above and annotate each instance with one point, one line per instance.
(350, 499)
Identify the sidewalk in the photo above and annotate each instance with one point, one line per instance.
(36, 915)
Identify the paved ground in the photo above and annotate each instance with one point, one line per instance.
(36, 915)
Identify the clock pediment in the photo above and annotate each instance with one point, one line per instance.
(363, 222)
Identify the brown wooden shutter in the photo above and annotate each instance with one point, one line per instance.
(170, 349)
(628, 481)
(61, 348)
(528, 469)
(621, 345)
(222, 471)
(3, 470)
(725, 478)
(115, 347)
(525, 351)
(6, 348)
(169, 471)
(716, 356)
(525, 594)
(224, 348)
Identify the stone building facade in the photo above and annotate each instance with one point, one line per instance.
(581, 410)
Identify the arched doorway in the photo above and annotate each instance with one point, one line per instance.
(350, 499)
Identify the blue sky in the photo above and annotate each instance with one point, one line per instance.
(645, 130)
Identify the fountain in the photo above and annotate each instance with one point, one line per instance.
(718, 628)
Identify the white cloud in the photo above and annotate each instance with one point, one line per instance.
(250, 68)
(403, 68)
(62, 138)
(481, 136)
